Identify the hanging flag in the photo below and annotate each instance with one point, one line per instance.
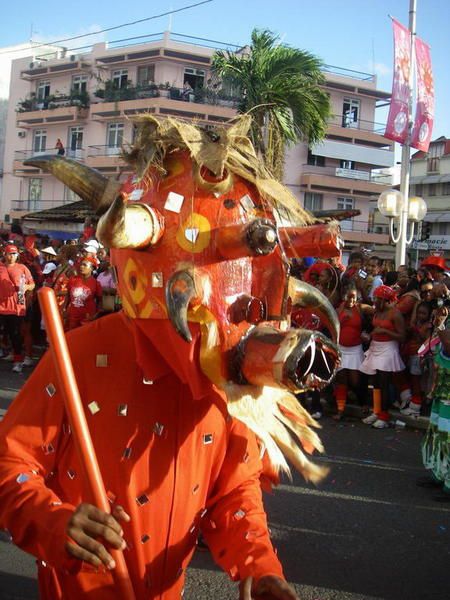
(397, 123)
(423, 124)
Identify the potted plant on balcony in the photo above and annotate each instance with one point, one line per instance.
(174, 93)
(164, 89)
(80, 99)
(27, 104)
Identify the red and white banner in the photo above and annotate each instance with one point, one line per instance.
(398, 119)
(423, 124)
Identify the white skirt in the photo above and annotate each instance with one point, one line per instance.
(351, 357)
(382, 356)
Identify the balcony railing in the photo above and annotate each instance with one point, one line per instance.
(359, 124)
(22, 155)
(33, 103)
(355, 174)
(201, 95)
(36, 205)
(104, 150)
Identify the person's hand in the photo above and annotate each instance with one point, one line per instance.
(86, 525)
(365, 337)
(269, 587)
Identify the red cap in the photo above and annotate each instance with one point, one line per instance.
(385, 292)
(434, 261)
(91, 259)
(11, 249)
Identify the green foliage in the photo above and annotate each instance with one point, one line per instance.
(281, 87)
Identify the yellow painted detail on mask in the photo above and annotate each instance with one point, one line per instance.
(194, 234)
(210, 355)
(128, 308)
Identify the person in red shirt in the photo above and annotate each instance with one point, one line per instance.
(383, 359)
(84, 292)
(15, 282)
(350, 314)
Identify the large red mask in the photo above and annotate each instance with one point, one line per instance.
(195, 236)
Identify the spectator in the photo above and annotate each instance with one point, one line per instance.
(186, 91)
(16, 281)
(108, 283)
(350, 315)
(60, 147)
(84, 292)
(383, 356)
(328, 283)
(373, 269)
(408, 295)
(436, 265)
(420, 330)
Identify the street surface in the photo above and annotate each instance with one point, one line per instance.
(367, 533)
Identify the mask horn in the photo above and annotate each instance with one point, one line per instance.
(130, 225)
(86, 182)
(180, 290)
(310, 298)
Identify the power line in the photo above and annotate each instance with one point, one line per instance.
(77, 37)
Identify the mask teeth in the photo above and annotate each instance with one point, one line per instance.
(324, 356)
(311, 345)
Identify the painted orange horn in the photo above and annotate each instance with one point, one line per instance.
(310, 298)
(86, 182)
(180, 290)
(130, 225)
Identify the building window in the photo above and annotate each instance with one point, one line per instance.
(433, 164)
(146, 75)
(446, 188)
(120, 79)
(350, 112)
(70, 196)
(114, 138)
(432, 189)
(418, 190)
(79, 84)
(347, 164)
(442, 228)
(43, 90)
(195, 78)
(313, 201)
(34, 193)
(75, 142)
(315, 160)
(346, 204)
(39, 140)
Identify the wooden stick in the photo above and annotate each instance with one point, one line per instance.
(78, 423)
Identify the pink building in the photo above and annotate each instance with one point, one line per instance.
(85, 100)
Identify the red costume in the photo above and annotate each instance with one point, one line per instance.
(83, 294)
(204, 339)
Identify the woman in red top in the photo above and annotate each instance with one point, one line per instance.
(84, 292)
(350, 314)
(383, 356)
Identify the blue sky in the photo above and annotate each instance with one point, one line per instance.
(355, 34)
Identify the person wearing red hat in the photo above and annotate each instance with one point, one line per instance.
(383, 356)
(15, 281)
(436, 265)
(84, 291)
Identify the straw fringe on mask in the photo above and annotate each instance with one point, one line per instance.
(282, 424)
(222, 151)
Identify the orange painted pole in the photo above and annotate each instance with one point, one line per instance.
(80, 430)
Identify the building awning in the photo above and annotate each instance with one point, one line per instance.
(429, 179)
(59, 235)
(437, 217)
(74, 212)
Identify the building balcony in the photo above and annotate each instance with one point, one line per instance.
(201, 104)
(357, 231)
(41, 114)
(360, 131)
(348, 181)
(106, 158)
(21, 155)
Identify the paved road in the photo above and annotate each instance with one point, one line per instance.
(367, 533)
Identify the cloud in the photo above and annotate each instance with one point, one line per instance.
(381, 69)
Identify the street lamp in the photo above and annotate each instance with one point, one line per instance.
(391, 204)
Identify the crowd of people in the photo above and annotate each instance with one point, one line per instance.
(385, 316)
(80, 273)
(388, 324)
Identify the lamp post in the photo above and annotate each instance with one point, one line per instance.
(391, 204)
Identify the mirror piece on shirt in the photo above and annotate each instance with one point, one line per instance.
(94, 407)
(142, 499)
(158, 428)
(50, 389)
(122, 410)
(101, 360)
(127, 452)
(147, 381)
(144, 538)
(71, 474)
(208, 438)
(22, 478)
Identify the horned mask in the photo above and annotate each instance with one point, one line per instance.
(202, 237)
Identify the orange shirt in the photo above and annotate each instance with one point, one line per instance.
(11, 278)
(174, 463)
(351, 327)
(386, 323)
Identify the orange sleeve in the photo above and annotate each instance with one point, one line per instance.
(235, 526)
(406, 304)
(30, 437)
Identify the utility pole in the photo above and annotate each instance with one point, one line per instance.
(400, 250)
